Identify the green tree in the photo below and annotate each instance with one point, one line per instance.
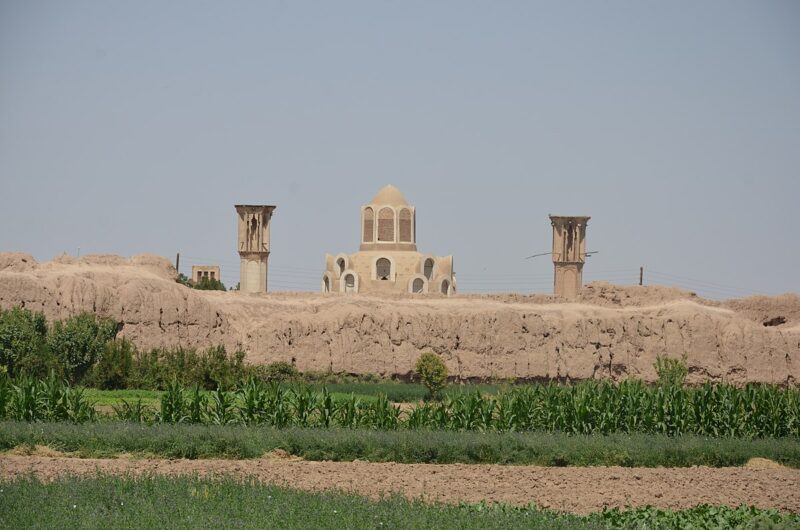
(209, 284)
(113, 369)
(432, 373)
(280, 371)
(23, 340)
(79, 341)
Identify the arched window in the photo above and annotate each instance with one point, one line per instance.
(445, 286)
(428, 269)
(383, 269)
(405, 226)
(340, 264)
(369, 225)
(349, 283)
(253, 235)
(417, 286)
(386, 225)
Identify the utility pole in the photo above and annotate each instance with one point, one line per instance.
(178, 263)
(641, 275)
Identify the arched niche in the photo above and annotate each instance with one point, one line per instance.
(379, 266)
(405, 226)
(383, 269)
(327, 282)
(348, 282)
(368, 225)
(418, 284)
(340, 264)
(386, 217)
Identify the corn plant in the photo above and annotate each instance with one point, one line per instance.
(173, 406)
(383, 415)
(5, 394)
(135, 412)
(326, 409)
(253, 400)
(221, 410)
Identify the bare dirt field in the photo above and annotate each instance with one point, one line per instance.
(610, 331)
(578, 490)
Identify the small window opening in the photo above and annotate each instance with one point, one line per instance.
(383, 269)
(349, 283)
(428, 270)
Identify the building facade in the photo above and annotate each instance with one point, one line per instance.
(210, 272)
(388, 260)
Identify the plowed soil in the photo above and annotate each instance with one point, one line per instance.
(574, 489)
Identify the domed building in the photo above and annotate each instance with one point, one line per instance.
(388, 261)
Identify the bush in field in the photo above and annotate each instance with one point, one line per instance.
(217, 369)
(432, 372)
(23, 341)
(114, 366)
(79, 341)
(212, 368)
(280, 372)
(671, 372)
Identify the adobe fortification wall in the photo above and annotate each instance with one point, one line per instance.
(609, 331)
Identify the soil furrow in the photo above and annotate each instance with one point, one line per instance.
(573, 489)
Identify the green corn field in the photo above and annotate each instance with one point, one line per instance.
(590, 407)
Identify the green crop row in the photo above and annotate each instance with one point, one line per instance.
(421, 446)
(190, 502)
(584, 408)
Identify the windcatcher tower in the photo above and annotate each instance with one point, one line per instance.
(254, 246)
(569, 254)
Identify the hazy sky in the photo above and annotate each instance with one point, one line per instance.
(135, 127)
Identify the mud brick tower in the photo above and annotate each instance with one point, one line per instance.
(254, 246)
(569, 254)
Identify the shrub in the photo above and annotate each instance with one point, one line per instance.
(157, 368)
(432, 372)
(23, 341)
(280, 371)
(79, 341)
(209, 284)
(216, 369)
(671, 372)
(114, 367)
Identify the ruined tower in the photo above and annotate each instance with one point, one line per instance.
(569, 254)
(254, 221)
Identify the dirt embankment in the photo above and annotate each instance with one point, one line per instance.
(610, 331)
(572, 489)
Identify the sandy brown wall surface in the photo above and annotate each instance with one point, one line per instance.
(611, 331)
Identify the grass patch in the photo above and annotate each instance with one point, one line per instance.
(548, 449)
(110, 398)
(103, 400)
(186, 502)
